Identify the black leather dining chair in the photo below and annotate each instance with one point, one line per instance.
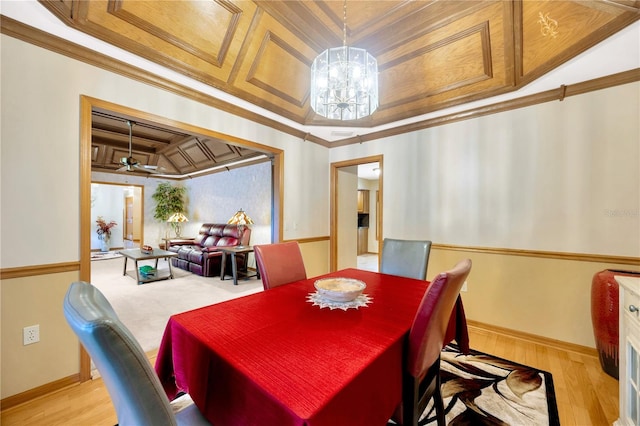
(133, 385)
(406, 258)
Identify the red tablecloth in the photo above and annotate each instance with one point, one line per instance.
(272, 358)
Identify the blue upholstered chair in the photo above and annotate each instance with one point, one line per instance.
(133, 385)
(405, 258)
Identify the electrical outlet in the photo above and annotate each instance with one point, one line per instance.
(31, 334)
(464, 286)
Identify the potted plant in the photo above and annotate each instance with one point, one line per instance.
(169, 200)
(104, 232)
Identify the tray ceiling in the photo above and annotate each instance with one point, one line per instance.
(431, 55)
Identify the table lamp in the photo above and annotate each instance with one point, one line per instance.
(241, 219)
(176, 221)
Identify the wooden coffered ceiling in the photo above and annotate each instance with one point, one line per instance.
(432, 54)
(171, 151)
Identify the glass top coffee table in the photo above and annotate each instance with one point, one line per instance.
(137, 255)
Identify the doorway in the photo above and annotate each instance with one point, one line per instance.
(122, 203)
(87, 105)
(344, 211)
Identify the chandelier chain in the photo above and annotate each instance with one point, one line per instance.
(344, 24)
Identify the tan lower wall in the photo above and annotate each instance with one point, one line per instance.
(28, 301)
(37, 299)
(315, 254)
(548, 297)
(543, 296)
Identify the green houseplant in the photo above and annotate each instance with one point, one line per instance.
(169, 200)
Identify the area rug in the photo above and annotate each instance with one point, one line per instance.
(481, 389)
(98, 255)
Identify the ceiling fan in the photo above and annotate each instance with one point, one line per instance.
(130, 164)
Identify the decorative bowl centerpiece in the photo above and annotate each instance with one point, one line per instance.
(339, 289)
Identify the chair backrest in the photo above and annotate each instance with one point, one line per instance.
(406, 258)
(426, 337)
(279, 263)
(133, 385)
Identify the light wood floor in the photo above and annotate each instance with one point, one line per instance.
(585, 394)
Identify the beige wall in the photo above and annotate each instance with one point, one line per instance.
(30, 301)
(39, 220)
(542, 178)
(559, 177)
(542, 296)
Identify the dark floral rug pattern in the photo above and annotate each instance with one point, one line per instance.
(481, 389)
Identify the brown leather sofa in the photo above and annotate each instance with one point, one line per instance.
(202, 255)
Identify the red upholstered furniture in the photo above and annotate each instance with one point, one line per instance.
(604, 317)
(279, 263)
(273, 358)
(427, 338)
(202, 257)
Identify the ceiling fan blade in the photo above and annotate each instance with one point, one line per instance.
(123, 169)
(147, 169)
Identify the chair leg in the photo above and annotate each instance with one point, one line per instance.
(410, 401)
(438, 403)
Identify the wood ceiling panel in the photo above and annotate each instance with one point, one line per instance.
(432, 54)
(95, 149)
(454, 63)
(221, 152)
(174, 34)
(199, 38)
(552, 28)
(113, 156)
(291, 85)
(468, 58)
(195, 153)
(276, 68)
(179, 161)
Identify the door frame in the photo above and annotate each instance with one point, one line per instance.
(87, 105)
(333, 233)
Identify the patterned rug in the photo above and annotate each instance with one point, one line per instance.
(481, 389)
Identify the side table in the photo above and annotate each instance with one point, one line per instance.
(234, 264)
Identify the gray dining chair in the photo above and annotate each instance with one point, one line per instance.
(132, 383)
(405, 258)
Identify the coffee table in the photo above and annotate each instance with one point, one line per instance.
(137, 255)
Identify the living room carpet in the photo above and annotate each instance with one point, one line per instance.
(481, 389)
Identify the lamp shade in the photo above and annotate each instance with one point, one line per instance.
(177, 217)
(240, 218)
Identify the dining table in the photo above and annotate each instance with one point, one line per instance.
(283, 357)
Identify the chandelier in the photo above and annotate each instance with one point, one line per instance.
(344, 81)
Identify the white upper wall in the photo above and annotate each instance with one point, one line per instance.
(40, 151)
(560, 176)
